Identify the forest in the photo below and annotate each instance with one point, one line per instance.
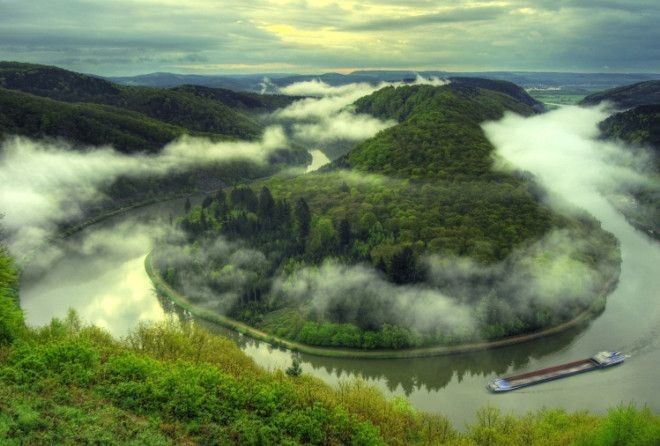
(421, 190)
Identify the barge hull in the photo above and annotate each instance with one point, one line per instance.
(551, 373)
(599, 361)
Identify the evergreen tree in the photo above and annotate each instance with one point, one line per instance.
(381, 265)
(221, 197)
(303, 218)
(207, 202)
(266, 209)
(244, 198)
(187, 205)
(404, 266)
(203, 223)
(344, 234)
(282, 217)
(295, 369)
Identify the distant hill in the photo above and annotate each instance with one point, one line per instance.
(169, 80)
(185, 108)
(500, 86)
(248, 102)
(80, 123)
(254, 82)
(642, 93)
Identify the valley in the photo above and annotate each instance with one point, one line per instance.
(419, 232)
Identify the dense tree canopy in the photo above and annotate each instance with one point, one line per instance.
(421, 188)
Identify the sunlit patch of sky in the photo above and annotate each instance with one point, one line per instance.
(210, 36)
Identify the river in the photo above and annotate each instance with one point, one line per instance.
(100, 273)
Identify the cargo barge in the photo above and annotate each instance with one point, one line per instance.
(599, 361)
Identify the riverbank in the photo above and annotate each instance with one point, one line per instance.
(184, 303)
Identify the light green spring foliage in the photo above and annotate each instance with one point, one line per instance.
(68, 383)
(11, 317)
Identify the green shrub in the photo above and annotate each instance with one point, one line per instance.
(626, 425)
(68, 362)
(11, 317)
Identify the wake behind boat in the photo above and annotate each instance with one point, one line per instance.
(598, 361)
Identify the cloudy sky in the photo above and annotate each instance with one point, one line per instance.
(115, 37)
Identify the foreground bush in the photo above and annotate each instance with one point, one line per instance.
(166, 384)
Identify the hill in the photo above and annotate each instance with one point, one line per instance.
(425, 187)
(439, 134)
(642, 93)
(640, 129)
(639, 126)
(48, 102)
(184, 108)
(170, 80)
(83, 124)
(248, 102)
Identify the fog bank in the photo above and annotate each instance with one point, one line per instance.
(561, 148)
(43, 183)
(326, 116)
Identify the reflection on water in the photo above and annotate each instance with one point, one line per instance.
(116, 299)
(405, 375)
(319, 159)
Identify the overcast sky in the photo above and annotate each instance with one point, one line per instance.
(114, 37)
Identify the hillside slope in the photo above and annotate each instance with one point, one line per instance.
(82, 124)
(639, 126)
(628, 96)
(439, 135)
(179, 107)
(388, 213)
(248, 102)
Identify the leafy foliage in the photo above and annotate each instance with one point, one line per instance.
(11, 317)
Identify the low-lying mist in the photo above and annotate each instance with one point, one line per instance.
(562, 149)
(326, 118)
(44, 183)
